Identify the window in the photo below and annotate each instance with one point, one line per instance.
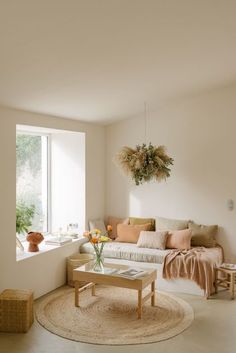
(50, 181)
(32, 180)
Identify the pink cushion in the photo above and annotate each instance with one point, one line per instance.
(179, 239)
(114, 221)
(130, 233)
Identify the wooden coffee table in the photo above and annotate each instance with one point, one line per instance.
(85, 273)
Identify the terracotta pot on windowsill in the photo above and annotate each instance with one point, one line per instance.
(34, 239)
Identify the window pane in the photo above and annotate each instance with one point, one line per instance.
(31, 177)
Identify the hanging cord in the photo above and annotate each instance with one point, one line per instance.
(146, 122)
(145, 117)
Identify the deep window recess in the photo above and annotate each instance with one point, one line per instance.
(33, 179)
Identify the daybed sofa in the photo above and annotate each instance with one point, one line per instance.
(203, 240)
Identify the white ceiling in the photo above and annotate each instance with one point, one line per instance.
(99, 60)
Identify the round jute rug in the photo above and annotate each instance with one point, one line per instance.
(110, 317)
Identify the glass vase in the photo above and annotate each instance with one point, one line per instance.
(98, 263)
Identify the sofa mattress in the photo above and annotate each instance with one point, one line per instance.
(128, 251)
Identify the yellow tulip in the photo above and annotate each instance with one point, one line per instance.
(96, 231)
(104, 239)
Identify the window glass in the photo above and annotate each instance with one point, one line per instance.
(32, 181)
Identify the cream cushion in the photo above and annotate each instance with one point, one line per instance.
(152, 240)
(171, 224)
(130, 234)
(179, 239)
(203, 235)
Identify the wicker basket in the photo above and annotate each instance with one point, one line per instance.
(16, 310)
(75, 261)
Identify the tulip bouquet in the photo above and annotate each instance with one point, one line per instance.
(98, 240)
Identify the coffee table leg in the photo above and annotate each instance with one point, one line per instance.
(153, 294)
(139, 304)
(76, 293)
(232, 284)
(216, 281)
(93, 290)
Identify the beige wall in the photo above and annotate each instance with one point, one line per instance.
(200, 135)
(46, 271)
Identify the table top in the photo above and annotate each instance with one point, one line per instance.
(86, 273)
(226, 269)
(108, 267)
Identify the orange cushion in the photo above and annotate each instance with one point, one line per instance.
(114, 221)
(179, 239)
(130, 233)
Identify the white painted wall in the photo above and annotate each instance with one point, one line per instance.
(45, 271)
(199, 133)
(68, 180)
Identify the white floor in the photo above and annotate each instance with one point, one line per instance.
(213, 330)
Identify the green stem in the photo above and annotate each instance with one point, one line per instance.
(101, 249)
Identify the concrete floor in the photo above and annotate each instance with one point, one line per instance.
(213, 330)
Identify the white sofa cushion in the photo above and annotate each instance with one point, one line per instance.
(97, 224)
(171, 224)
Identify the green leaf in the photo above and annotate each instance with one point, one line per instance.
(24, 216)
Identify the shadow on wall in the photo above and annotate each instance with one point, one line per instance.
(223, 240)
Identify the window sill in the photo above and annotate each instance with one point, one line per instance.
(43, 248)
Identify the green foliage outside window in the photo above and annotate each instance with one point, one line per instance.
(28, 177)
(24, 216)
(28, 151)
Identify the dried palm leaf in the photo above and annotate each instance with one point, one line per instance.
(145, 163)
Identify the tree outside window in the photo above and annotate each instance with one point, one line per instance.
(31, 182)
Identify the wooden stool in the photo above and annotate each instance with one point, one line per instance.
(229, 280)
(16, 310)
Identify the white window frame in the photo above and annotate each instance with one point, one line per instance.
(49, 183)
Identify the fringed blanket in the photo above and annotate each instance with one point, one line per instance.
(196, 264)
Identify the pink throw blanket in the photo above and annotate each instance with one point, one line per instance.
(196, 264)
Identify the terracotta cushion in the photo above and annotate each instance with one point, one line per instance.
(130, 233)
(179, 239)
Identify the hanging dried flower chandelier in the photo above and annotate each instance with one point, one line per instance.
(145, 162)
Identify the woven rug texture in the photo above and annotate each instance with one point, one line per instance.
(110, 317)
